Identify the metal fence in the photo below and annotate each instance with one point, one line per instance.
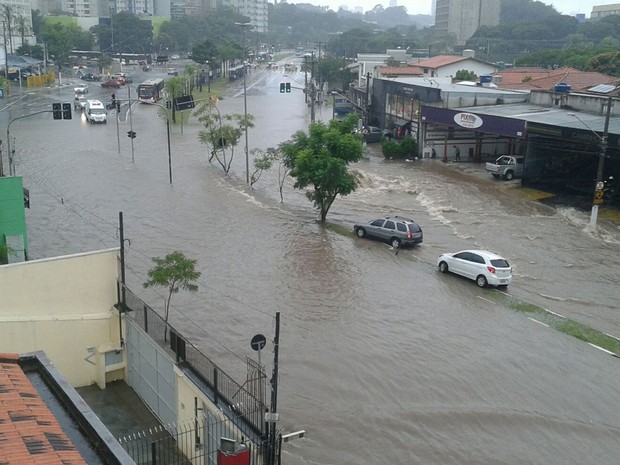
(195, 443)
(243, 402)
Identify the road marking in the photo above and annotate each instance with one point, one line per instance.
(486, 300)
(553, 313)
(539, 322)
(604, 350)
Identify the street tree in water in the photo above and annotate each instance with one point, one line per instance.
(319, 159)
(174, 272)
(222, 133)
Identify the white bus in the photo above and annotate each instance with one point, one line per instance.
(151, 90)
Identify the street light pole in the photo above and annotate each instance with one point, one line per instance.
(245, 103)
(599, 186)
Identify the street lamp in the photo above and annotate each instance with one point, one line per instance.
(245, 103)
(598, 189)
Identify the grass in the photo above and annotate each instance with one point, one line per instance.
(567, 326)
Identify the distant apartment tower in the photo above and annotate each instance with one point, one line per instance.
(600, 11)
(137, 7)
(463, 17)
(255, 10)
(19, 9)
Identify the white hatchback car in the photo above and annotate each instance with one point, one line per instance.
(486, 268)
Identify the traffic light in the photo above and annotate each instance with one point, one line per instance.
(57, 110)
(288, 87)
(282, 87)
(118, 106)
(66, 111)
(113, 100)
(131, 134)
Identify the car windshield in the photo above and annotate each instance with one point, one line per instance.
(97, 111)
(500, 263)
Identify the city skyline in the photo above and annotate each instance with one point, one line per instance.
(567, 7)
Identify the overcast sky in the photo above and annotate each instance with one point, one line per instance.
(567, 7)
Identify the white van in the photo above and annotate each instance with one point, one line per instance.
(95, 112)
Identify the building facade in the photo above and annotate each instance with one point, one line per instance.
(461, 18)
(255, 10)
(600, 11)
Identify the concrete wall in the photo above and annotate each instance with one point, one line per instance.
(63, 306)
(595, 104)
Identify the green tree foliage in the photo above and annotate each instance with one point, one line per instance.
(514, 11)
(175, 87)
(404, 148)
(131, 34)
(62, 38)
(606, 63)
(221, 133)
(174, 272)
(205, 51)
(263, 161)
(318, 161)
(465, 75)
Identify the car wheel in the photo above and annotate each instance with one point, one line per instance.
(361, 232)
(509, 175)
(395, 242)
(443, 267)
(481, 281)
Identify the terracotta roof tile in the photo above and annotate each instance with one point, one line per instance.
(29, 432)
(440, 60)
(539, 78)
(400, 70)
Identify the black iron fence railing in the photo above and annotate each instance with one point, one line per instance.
(245, 402)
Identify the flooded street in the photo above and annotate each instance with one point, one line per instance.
(382, 359)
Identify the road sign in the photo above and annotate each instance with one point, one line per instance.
(258, 342)
(598, 196)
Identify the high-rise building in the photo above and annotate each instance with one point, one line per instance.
(255, 10)
(462, 18)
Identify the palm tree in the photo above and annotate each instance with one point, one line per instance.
(7, 14)
(22, 27)
(174, 88)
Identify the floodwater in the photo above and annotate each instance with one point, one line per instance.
(382, 358)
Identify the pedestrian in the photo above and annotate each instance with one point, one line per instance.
(457, 153)
(433, 152)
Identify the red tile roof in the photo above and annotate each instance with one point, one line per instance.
(546, 79)
(441, 60)
(29, 432)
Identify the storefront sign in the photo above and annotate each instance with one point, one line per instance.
(468, 120)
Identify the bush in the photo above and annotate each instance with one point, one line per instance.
(405, 148)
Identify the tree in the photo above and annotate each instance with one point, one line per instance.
(175, 87)
(8, 15)
(175, 272)
(221, 138)
(319, 160)
(263, 161)
(465, 75)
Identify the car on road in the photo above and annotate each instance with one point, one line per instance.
(484, 267)
(90, 77)
(111, 84)
(172, 72)
(370, 133)
(395, 230)
(122, 78)
(81, 89)
(79, 103)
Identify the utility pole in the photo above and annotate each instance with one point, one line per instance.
(6, 59)
(271, 459)
(367, 112)
(312, 91)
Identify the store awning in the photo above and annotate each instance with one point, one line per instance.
(401, 122)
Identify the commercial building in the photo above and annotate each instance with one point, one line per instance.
(600, 11)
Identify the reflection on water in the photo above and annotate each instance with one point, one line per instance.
(383, 360)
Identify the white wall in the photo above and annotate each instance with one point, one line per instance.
(63, 306)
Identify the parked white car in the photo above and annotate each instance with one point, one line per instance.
(486, 268)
